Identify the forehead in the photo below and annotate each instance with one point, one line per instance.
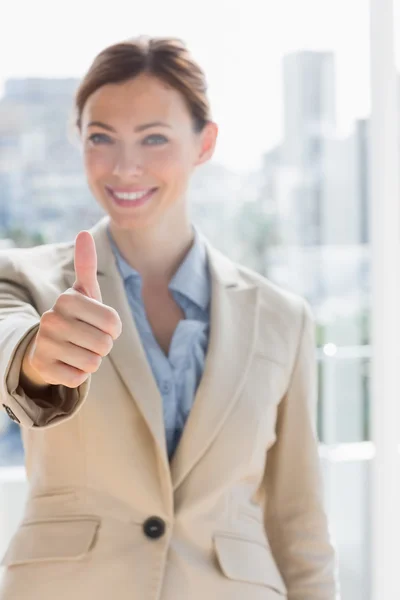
(144, 98)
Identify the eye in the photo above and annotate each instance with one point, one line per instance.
(155, 139)
(99, 138)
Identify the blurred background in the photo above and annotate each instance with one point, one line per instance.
(288, 192)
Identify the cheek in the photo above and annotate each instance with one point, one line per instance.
(97, 164)
(172, 165)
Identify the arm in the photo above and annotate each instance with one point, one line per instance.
(294, 514)
(25, 401)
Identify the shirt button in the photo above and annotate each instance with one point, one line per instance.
(166, 387)
(154, 528)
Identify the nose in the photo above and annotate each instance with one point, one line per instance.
(128, 163)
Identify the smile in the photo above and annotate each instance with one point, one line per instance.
(125, 198)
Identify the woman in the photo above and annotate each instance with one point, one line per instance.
(165, 394)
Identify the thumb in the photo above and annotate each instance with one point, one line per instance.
(86, 266)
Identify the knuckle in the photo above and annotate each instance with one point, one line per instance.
(92, 362)
(108, 319)
(115, 323)
(105, 344)
(63, 301)
(76, 378)
(49, 320)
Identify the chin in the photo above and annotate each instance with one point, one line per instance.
(129, 223)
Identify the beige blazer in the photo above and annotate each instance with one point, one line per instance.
(239, 511)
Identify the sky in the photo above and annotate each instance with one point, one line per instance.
(240, 45)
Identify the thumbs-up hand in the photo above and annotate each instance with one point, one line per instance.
(77, 333)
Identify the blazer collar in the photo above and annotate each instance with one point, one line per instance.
(234, 318)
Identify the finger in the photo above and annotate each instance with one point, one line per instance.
(84, 335)
(74, 305)
(86, 266)
(62, 374)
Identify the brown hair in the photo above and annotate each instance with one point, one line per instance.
(165, 58)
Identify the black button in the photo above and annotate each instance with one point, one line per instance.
(154, 527)
(11, 414)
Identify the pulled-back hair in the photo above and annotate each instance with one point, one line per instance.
(168, 59)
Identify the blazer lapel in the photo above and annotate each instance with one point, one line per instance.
(127, 354)
(234, 317)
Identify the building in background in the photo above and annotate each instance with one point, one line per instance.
(309, 118)
(46, 191)
(315, 189)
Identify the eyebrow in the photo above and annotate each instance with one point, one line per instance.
(138, 129)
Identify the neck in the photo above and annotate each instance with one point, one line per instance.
(155, 252)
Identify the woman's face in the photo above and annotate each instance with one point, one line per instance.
(140, 149)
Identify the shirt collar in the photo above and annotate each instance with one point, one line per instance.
(192, 279)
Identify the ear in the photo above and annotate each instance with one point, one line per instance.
(208, 140)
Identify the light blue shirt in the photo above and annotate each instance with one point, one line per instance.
(179, 374)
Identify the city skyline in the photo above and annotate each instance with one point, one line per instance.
(247, 129)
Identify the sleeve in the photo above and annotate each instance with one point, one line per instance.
(294, 513)
(19, 322)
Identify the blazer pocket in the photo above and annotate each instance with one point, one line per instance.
(44, 541)
(246, 560)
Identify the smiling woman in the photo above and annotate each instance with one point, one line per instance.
(172, 388)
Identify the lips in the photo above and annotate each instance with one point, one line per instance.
(128, 197)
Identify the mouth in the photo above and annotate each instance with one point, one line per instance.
(126, 198)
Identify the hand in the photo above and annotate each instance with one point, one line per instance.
(77, 332)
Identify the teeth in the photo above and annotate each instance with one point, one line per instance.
(132, 196)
